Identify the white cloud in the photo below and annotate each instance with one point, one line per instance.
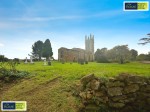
(10, 25)
(101, 15)
(1, 45)
(104, 14)
(4, 25)
(46, 18)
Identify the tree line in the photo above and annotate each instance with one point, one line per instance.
(122, 53)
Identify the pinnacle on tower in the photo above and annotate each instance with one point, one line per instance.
(90, 35)
(85, 37)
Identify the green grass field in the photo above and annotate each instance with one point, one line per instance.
(46, 89)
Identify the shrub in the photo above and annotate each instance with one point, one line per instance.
(12, 65)
(49, 63)
(86, 62)
(16, 60)
(10, 74)
(102, 60)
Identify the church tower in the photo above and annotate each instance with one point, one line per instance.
(89, 44)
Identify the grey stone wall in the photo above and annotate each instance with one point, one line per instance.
(75, 54)
(123, 93)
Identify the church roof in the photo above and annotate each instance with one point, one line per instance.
(78, 49)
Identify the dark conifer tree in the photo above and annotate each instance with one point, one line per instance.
(47, 49)
(37, 48)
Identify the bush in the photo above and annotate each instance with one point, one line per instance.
(102, 60)
(49, 63)
(12, 65)
(35, 59)
(127, 61)
(22, 74)
(16, 60)
(9, 75)
(86, 62)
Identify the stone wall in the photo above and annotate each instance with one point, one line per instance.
(123, 93)
(74, 55)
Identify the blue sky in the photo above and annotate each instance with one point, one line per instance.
(66, 22)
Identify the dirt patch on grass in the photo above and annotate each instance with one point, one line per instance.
(50, 96)
(145, 62)
(6, 86)
(42, 87)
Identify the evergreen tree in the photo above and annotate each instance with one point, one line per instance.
(37, 48)
(47, 49)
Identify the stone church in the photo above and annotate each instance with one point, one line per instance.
(77, 54)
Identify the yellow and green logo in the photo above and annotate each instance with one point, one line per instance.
(136, 5)
(13, 105)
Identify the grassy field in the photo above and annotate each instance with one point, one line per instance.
(47, 88)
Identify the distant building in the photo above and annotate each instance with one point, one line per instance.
(77, 54)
